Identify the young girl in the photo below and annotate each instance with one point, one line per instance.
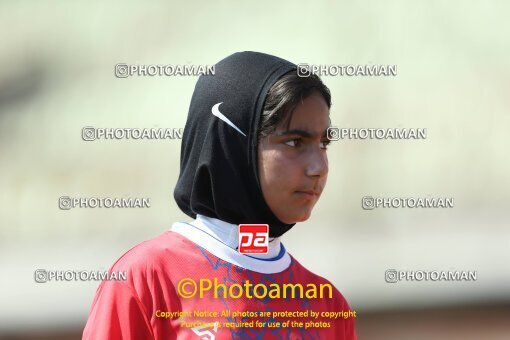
(253, 152)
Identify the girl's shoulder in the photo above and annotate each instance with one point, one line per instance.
(160, 253)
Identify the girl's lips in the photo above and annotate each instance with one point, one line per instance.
(310, 194)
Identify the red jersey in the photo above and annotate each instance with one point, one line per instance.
(149, 305)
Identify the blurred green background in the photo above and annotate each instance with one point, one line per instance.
(57, 76)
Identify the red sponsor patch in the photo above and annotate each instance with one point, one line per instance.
(253, 238)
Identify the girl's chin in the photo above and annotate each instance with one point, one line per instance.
(297, 218)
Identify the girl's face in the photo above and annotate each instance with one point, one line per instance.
(293, 165)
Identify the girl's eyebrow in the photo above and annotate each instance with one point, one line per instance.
(302, 133)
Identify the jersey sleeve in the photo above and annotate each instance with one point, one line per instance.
(117, 313)
(345, 327)
(349, 326)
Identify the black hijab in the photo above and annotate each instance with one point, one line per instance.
(219, 161)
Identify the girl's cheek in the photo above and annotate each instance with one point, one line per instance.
(290, 155)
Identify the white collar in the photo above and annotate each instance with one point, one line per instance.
(221, 239)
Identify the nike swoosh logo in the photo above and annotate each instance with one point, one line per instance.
(215, 111)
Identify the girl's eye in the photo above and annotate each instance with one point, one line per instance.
(294, 143)
(325, 143)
